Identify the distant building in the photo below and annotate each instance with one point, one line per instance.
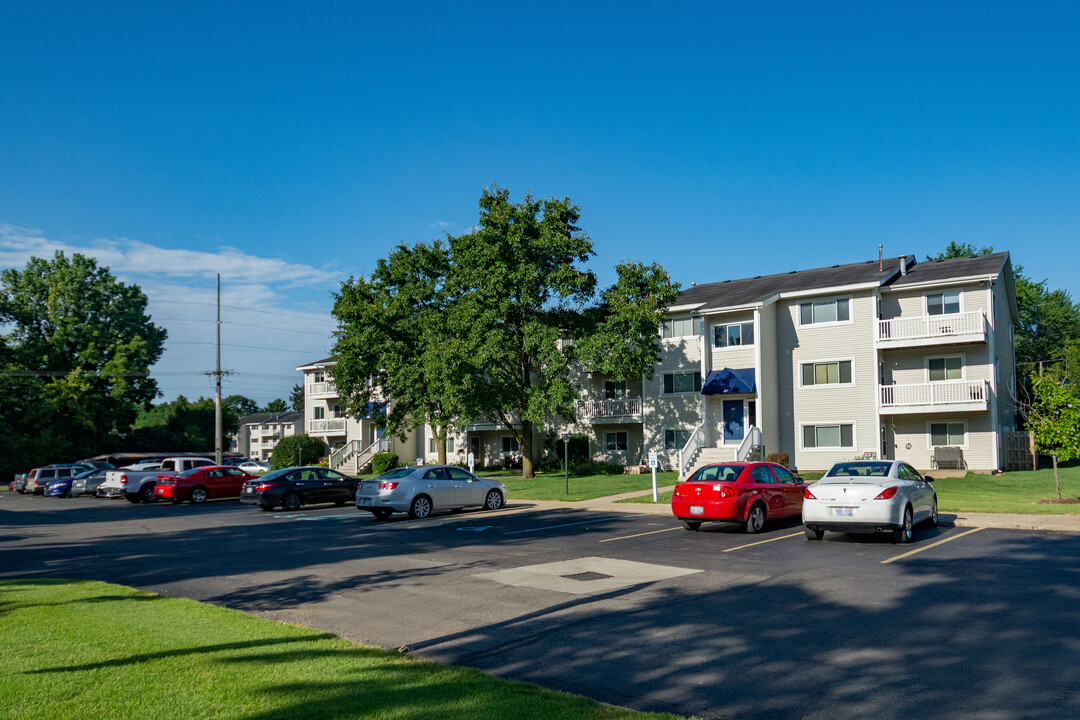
(260, 433)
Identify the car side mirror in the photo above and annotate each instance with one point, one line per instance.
(927, 478)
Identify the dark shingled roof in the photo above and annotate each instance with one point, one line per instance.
(260, 418)
(751, 290)
(970, 266)
(319, 362)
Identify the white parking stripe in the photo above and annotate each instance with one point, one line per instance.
(931, 545)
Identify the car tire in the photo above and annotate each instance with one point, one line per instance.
(755, 520)
(74, 493)
(420, 507)
(691, 524)
(382, 513)
(265, 508)
(198, 495)
(493, 501)
(133, 498)
(904, 533)
(290, 502)
(812, 534)
(933, 520)
(146, 493)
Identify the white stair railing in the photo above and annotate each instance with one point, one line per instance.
(750, 443)
(342, 455)
(696, 442)
(380, 445)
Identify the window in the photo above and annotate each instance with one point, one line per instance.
(615, 441)
(947, 368)
(906, 472)
(682, 327)
(784, 476)
(733, 335)
(761, 475)
(320, 412)
(827, 373)
(458, 474)
(431, 445)
(682, 382)
(614, 389)
(946, 434)
(319, 376)
(824, 311)
(945, 303)
(829, 436)
(510, 444)
(676, 439)
(449, 444)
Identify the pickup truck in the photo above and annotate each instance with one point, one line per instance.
(138, 485)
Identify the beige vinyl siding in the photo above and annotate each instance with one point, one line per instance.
(914, 430)
(1003, 349)
(740, 356)
(827, 405)
(908, 367)
(768, 410)
(634, 453)
(912, 303)
(679, 411)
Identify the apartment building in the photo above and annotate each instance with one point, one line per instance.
(888, 358)
(259, 434)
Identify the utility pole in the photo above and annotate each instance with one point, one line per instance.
(217, 372)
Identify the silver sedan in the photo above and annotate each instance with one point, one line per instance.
(869, 496)
(420, 490)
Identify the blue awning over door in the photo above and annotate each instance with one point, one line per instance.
(730, 381)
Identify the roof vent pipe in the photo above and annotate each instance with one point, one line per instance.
(880, 263)
(693, 284)
(903, 264)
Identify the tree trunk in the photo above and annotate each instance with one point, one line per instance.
(1057, 480)
(526, 450)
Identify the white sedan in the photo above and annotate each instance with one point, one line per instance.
(254, 467)
(869, 496)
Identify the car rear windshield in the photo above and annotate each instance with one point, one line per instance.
(189, 473)
(395, 473)
(714, 473)
(852, 469)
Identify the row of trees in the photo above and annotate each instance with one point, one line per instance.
(489, 323)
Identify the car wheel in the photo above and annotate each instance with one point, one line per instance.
(133, 497)
(933, 521)
(420, 508)
(146, 494)
(903, 535)
(755, 521)
(382, 513)
(290, 502)
(691, 524)
(74, 493)
(494, 500)
(812, 534)
(198, 495)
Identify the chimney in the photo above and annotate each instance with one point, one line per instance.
(903, 264)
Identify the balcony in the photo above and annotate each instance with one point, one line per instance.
(321, 389)
(609, 411)
(948, 396)
(485, 422)
(925, 330)
(327, 426)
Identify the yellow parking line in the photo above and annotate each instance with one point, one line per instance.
(931, 545)
(762, 542)
(651, 532)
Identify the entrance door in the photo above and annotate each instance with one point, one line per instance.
(733, 421)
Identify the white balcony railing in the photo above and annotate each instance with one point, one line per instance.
(949, 392)
(926, 327)
(322, 388)
(622, 407)
(327, 425)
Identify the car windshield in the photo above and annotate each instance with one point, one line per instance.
(855, 469)
(714, 473)
(395, 473)
(189, 473)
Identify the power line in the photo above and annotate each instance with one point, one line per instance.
(249, 347)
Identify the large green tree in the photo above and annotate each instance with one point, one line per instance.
(1054, 417)
(76, 350)
(240, 405)
(181, 425)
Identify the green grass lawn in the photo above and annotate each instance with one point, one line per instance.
(77, 650)
(553, 486)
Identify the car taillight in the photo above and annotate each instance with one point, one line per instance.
(123, 479)
(264, 486)
(887, 493)
(727, 491)
(387, 485)
(808, 495)
(165, 480)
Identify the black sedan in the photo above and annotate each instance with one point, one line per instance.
(292, 487)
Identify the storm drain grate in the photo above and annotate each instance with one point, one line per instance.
(587, 576)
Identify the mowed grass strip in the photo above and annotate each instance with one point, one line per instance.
(553, 486)
(79, 649)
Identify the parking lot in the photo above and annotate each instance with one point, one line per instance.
(627, 608)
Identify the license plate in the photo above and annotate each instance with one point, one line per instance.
(697, 510)
(843, 511)
(363, 501)
(248, 491)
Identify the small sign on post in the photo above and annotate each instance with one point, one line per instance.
(652, 466)
(471, 460)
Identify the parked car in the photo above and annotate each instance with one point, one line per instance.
(201, 484)
(19, 483)
(88, 482)
(869, 496)
(138, 485)
(39, 478)
(59, 488)
(254, 466)
(296, 486)
(420, 490)
(748, 493)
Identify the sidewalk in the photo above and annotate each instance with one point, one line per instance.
(1007, 521)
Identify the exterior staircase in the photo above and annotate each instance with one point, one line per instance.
(707, 455)
(352, 457)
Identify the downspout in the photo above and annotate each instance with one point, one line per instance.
(758, 400)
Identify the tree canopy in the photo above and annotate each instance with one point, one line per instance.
(76, 353)
(240, 405)
(180, 425)
(1055, 419)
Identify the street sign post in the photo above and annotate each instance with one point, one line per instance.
(471, 461)
(652, 466)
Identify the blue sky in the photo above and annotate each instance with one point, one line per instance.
(290, 145)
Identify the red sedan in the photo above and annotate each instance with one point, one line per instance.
(202, 483)
(741, 492)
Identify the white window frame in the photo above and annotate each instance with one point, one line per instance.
(689, 433)
(959, 300)
(727, 325)
(946, 421)
(815, 386)
(696, 324)
(829, 423)
(963, 366)
(616, 433)
(826, 323)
